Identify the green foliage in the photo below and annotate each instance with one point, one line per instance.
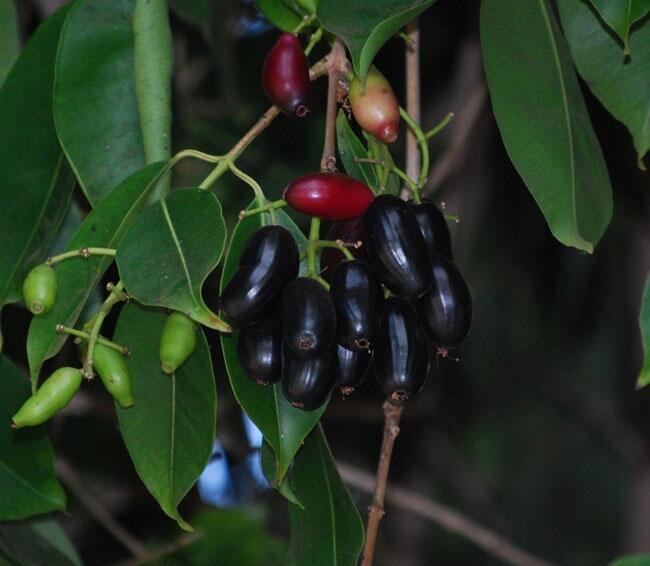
(634, 560)
(543, 119)
(350, 148)
(644, 326)
(171, 426)
(277, 12)
(620, 15)
(9, 37)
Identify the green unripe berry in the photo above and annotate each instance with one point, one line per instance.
(177, 342)
(112, 370)
(55, 393)
(39, 289)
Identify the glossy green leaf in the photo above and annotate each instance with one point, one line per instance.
(622, 85)
(350, 148)
(95, 103)
(9, 37)
(644, 326)
(365, 26)
(104, 227)
(392, 183)
(328, 530)
(269, 469)
(543, 119)
(284, 427)
(169, 251)
(621, 14)
(37, 542)
(170, 429)
(633, 560)
(28, 484)
(35, 182)
(278, 13)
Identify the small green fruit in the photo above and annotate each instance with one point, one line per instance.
(55, 393)
(177, 342)
(39, 289)
(112, 370)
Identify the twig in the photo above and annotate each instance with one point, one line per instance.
(413, 97)
(163, 550)
(334, 67)
(392, 415)
(446, 517)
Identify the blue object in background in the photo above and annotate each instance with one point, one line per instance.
(250, 22)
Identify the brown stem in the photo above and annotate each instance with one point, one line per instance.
(336, 61)
(392, 416)
(163, 550)
(413, 106)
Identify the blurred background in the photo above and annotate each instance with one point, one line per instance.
(536, 432)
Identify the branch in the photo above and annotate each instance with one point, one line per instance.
(336, 62)
(163, 550)
(446, 517)
(413, 97)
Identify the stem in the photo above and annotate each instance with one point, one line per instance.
(313, 40)
(314, 231)
(439, 127)
(392, 415)
(307, 20)
(270, 207)
(328, 160)
(85, 336)
(336, 244)
(412, 53)
(252, 183)
(83, 252)
(422, 143)
(412, 185)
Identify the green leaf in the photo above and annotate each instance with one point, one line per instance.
(621, 14)
(328, 530)
(543, 119)
(633, 560)
(9, 37)
(382, 152)
(284, 427)
(169, 251)
(170, 429)
(36, 183)
(95, 103)
(350, 147)
(622, 85)
(278, 13)
(644, 325)
(269, 468)
(195, 12)
(38, 542)
(365, 26)
(28, 484)
(103, 228)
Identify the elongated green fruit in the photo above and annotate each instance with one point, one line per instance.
(178, 341)
(39, 289)
(57, 391)
(112, 370)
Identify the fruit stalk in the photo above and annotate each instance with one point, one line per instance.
(84, 253)
(412, 56)
(336, 62)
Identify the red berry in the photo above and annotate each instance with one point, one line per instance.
(285, 77)
(330, 196)
(375, 106)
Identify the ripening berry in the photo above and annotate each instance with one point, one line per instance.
(40, 288)
(112, 370)
(177, 342)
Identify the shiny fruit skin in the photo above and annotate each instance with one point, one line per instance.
(259, 349)
(40, 289)
(177, 342)
(357, 296)
(55, 393)
(350, 368)
(309, 317)
(375, 106)
(446, 309)
(330, 196)
(306, 382)
(285, 77)
(398, 251)
(401, 355)
(270, 260)
(433, 226)
(112, 370)
(349, 232)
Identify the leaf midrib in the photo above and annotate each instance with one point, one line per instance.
(329, 499)
(31, 488)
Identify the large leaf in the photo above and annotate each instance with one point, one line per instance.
(632, 560)
(28, 484)
(103, 228)
(172, 247)
(9, 37)
(327, 528)
(622, 85)
(35, 181)
(277, 12)
(283, 426)
(95, 104)
(170, 429)
(350, 148)
(365, 26)
(543, 119)
(644, 326)
(621, 14)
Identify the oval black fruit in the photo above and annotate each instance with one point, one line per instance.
(397, 248)
(401, 353)
(306, 382)
(350, 368)
(433, 226)
(309, 317)
(357, 296)
(259, 348)
(446, 309)
(269, 262)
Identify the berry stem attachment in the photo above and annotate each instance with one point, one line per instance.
(314, 38)
(306, 21)
(412, 185)
(439, 127)
(422, 142)
(337, 244)
(314, 233)
(124, 350)
(270, 207)
(83, 252)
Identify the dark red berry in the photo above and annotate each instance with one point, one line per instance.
(433, 226)
(349, 232)
(285, 77)
(397, 248)
(350, 368)
(357, 295)
(269, 262)
(309, 317)
(446, 309)
(306, 382)
(330, 196)
(259, 349)
(401, 353)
